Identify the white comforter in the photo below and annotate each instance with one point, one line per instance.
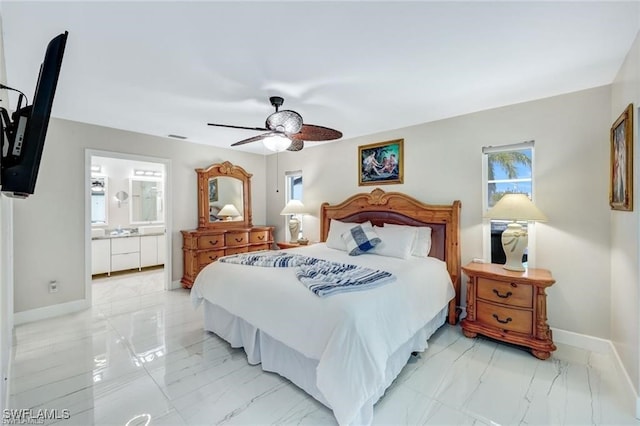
(351, 335)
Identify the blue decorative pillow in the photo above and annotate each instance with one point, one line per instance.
(360, 239)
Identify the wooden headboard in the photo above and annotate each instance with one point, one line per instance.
(394, 207)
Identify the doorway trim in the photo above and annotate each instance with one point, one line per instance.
(88, 154)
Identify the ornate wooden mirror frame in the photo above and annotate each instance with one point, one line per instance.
(225, 169)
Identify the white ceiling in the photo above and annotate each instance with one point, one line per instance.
(165, 68)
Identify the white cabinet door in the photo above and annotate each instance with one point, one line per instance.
(100, 256)
(148, 250)
(162, 247)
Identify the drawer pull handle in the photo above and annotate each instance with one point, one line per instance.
(239, 240)
(213, 257)
(213, 243)
(502, 296)
(507, 321)
(261, 237)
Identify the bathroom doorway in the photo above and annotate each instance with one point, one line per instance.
(127, 221)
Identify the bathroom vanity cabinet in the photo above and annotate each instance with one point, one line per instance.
(123, 252)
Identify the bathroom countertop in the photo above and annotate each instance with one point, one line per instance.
(134, 234)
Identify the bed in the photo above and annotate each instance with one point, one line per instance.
(345, 349)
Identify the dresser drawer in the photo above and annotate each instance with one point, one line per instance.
(210, 241)
(231, 251)
(259, 247)
(206, 257)
(236, 239)
(258, 237)
(517, 320)
(504, 292)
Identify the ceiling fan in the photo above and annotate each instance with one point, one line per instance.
(285, 130)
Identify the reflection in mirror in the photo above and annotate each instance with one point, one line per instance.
(98, 200)
(146, 204)
(225, 190)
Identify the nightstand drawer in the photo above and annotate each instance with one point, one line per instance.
(236, 239)
(504, 292)
(259, 247)
(211, 241)
(505, 318)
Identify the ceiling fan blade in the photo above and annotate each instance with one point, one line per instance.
(253, 139)
(262, 129)
(311, 133)
(296, 145)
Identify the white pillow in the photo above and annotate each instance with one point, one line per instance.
(336, 229)
(396, 242)
(422, 244)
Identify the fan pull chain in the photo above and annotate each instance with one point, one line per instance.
(277, 171)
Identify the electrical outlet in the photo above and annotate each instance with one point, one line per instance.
(53, 286)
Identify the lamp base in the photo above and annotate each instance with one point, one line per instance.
(514, 242)
(294, 229)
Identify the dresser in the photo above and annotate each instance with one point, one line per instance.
(201, 247)
(509, 306)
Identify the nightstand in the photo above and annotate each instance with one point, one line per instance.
(286, 244)
(509, 306)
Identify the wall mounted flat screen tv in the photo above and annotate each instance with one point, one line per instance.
(24, 133)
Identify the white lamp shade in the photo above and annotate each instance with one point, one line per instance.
(294, 207)
(276, 143)
(517, 207)
(229, 210)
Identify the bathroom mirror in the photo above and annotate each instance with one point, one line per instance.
(224, 188)
(146, 205)
(99, 210)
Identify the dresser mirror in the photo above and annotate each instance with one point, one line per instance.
(224, 197)
(146, 204)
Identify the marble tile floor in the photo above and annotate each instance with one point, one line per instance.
(140, 357)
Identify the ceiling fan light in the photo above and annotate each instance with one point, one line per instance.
(276, 143)
(287, 121)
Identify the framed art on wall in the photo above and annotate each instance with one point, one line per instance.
(381, 163)
(621, 181)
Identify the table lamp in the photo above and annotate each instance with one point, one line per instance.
(293, 208)
(229, 211)
(515, 207)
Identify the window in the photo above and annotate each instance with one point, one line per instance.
(294, 192)
(507, 169)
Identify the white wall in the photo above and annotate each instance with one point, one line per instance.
(49, 225)
(443, 162)
(625, 231)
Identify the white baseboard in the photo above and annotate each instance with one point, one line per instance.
(590, 343)
(596, 344)
(50, 311)
(176, 285)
